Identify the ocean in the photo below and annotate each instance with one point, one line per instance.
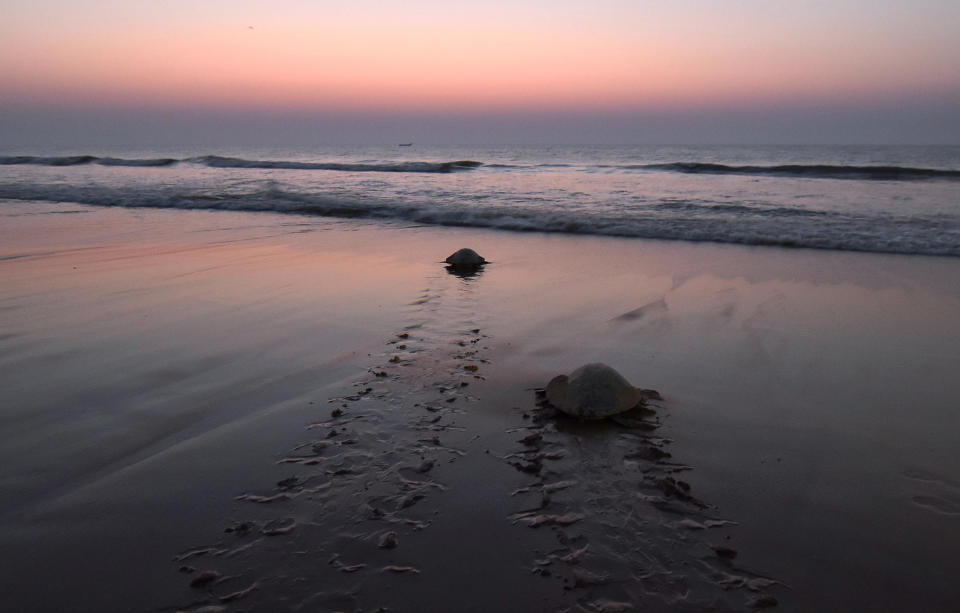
(227, 375)
(889, 199)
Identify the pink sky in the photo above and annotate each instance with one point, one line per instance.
(430, 55)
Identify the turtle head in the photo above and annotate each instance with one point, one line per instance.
(556, 391)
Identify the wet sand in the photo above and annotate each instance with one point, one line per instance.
(257, 412)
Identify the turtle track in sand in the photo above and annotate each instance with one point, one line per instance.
(371, 511)
(362, 478)
(629, 532)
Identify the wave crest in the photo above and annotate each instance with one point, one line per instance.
(217, 161)
(814, 171)
(81, 160)
(817, 171)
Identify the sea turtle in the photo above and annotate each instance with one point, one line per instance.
(465, 258)
(593, 391)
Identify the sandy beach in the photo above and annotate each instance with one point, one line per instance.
(206, 410)
(241, 373)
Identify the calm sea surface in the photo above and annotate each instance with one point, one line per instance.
(879, 199)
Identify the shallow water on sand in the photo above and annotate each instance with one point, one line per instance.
(159, 364)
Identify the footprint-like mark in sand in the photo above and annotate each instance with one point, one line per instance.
(942, 495)
(651, 309)
(937, 504)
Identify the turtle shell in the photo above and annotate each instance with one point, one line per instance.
(593, 391)
(465, 257)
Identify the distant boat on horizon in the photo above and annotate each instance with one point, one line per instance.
(405, 145)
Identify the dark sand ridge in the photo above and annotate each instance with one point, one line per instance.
(158, 364)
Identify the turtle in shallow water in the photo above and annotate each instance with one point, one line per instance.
(593, 391)
(466, 258)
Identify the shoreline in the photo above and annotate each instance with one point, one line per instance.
(786, 375)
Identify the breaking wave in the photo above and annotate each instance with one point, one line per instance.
(745, 224)
(814, 171)
(216, 161)
(81, 160)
